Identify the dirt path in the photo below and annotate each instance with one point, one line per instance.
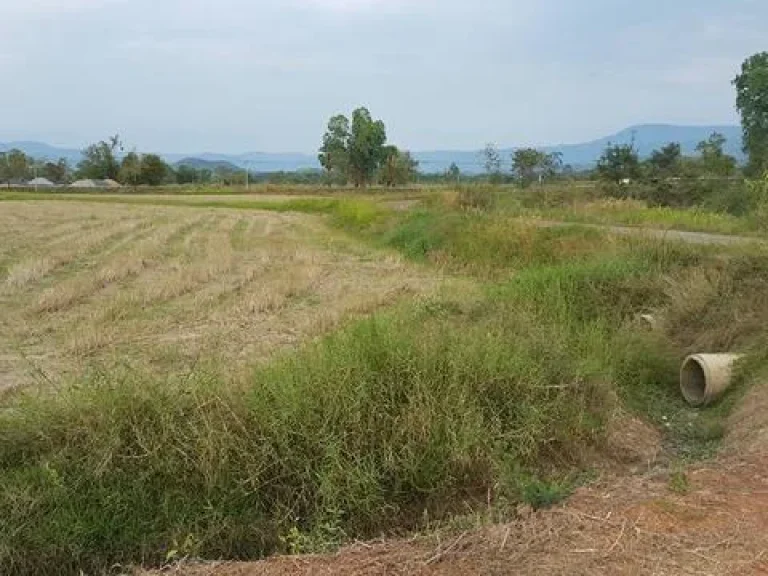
(681, 235)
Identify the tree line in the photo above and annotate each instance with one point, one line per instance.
(101, 161)
(107, 160)
(355, 151)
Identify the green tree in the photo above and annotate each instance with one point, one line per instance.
(334, 153)
(453, 174)
(19, 166)
(398, 167)
(153, 170)
(526, 164)
(714, 160)
(100, 160)
(187, 174)
(530, 164)
(492, 163)
(130, 170)
(619, 163)
(367, 138)
(666, 162)
(353, 151)
(752, 103)
(553, 164)
(56, 172)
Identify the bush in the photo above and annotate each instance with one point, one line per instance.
(350, 437)
(477, 198)
(757, 201)
(718, 195)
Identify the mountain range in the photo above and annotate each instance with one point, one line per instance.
(647, 137)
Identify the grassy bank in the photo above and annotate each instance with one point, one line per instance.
(576, 203)
(410, 415)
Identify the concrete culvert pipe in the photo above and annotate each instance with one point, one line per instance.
(704, 377)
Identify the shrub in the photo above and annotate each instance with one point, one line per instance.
(478, 198)
(360, 432)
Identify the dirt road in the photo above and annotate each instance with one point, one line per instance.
(681, 235)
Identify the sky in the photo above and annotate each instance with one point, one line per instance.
(233, 76)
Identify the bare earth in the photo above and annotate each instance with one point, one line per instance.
(166, 288)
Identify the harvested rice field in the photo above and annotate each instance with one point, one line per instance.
(88, 286)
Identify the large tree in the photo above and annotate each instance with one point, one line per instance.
(666, 161)
(398, 168)
(153, 170)
(367, 138)
(619, 163)
(130, 170)
(56, 172)
(100, 160)
(18, 166)
(334, 153)
(714, 160)
(530, 164)
(752, 103)
(354, 149)
(526, 163)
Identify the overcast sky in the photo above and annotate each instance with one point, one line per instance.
(248, 75)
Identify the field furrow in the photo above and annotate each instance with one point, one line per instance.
(163, 288)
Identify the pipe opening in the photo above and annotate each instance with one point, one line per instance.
(693, 382)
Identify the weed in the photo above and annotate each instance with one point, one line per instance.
(678, 482)
(476, 198)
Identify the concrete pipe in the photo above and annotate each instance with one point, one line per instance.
(704, 377)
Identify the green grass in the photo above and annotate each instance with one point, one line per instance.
(409, 414)
(557, 203)
(694, 220)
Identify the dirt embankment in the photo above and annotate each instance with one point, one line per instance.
(712, 519)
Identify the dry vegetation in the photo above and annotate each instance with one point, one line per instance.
(84, 285)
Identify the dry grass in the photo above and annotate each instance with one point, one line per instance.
(635, 525)
(166, 288)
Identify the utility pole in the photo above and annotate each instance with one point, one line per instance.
(247, 182)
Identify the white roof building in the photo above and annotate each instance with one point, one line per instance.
(41, 183)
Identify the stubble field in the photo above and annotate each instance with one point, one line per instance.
(88, 286)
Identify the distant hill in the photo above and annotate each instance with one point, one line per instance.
(43, 151)
(647, 137)
(212, 165)
(257, 161)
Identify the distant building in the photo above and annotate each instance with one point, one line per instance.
(102, 184)
(41, 183)
(83, 184)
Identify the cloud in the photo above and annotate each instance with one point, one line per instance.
(712, 71)
(250, 74)
(365, 6)
(49, 7)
